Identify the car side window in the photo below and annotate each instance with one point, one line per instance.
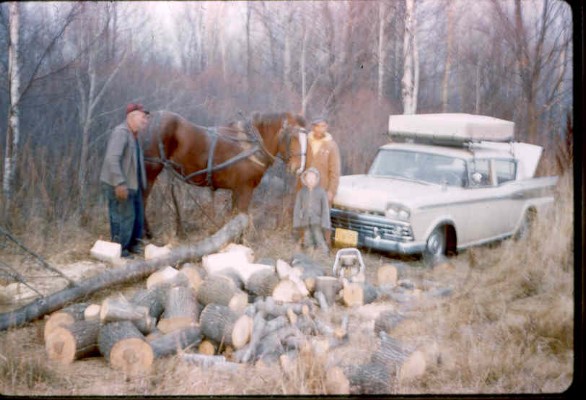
(505, 170)
(480, 173)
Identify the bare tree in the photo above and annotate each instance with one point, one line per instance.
(91, 84)
(410, 82)
(449, 51)
(18, 92)
(13, 131)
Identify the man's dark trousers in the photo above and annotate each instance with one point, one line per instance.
(126, 217)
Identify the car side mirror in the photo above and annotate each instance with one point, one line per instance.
(477, 178)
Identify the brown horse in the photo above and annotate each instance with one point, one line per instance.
(233, 157)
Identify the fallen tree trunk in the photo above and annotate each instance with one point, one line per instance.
(133, 271)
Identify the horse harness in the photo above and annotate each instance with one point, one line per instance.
(252, 135)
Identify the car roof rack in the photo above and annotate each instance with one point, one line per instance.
(449, 129)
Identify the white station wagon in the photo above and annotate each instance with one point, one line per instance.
(446, 182)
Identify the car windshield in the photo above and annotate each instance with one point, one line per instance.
(419, 166)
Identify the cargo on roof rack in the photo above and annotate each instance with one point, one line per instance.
(450, 129)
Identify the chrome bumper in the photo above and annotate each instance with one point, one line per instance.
(377, 232)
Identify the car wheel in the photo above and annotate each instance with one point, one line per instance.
(436, 245)
(526, 225)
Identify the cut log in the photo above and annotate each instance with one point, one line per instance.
(171, 343)
(387, 321)
(273, 308)
(215, 263)
(131, 272)
(74, 341)
(262, 283)
(92, 312)
(372, 378)
(283, 269)
(233, 275)
(167, 277)
(321, 299)
(125, 348)
(120, 309)
(358, 293)
(336, 382)
(153, 299)
(65, 316)
(181, 310)
(287, 291)
(248, 352)
(233, 247)
(219, 289)
(194, 274)
(207, 361)
(224, 326)
(207, 347)
(387, 275)
(151, 251)
(245, 271)
(399, 359)
(329, 286)
(106, 251)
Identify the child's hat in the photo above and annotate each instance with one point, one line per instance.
(307, 171)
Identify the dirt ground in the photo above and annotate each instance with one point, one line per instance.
(432, 324)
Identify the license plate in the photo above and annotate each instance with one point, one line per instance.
(345, 238)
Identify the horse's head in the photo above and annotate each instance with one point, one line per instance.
(290, 140)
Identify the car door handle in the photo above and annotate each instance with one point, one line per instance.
(518, 195)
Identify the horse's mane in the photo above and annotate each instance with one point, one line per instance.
(276, 118)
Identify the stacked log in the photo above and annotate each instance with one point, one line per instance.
(125, 348)
(181, 310)
(230, 310)
(221, 324)
(65, 316)
(70, 342)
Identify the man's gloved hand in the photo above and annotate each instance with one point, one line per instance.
(121, 192)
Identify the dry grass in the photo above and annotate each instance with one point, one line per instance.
(507, 328)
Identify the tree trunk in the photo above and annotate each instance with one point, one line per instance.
(409, 82)
(136, 270)
(381, 50)
(13, 131)
(72, 342)
(448, 63)
(125, 348)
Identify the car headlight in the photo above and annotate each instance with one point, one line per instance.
(396, 211)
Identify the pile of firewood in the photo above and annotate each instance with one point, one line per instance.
(232, 311)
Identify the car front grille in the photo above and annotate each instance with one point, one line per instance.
(370, 226)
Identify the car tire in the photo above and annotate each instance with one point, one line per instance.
(526, 225)
(436, 246)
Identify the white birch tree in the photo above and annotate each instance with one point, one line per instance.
(410, 81)
(13, 131)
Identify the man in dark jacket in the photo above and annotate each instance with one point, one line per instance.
(123, 178)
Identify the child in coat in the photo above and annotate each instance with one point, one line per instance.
(312, 212)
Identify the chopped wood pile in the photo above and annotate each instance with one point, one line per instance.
(229, 311)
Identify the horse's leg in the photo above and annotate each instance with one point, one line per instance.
(152, 173)
(179, 231)
(240, 202)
